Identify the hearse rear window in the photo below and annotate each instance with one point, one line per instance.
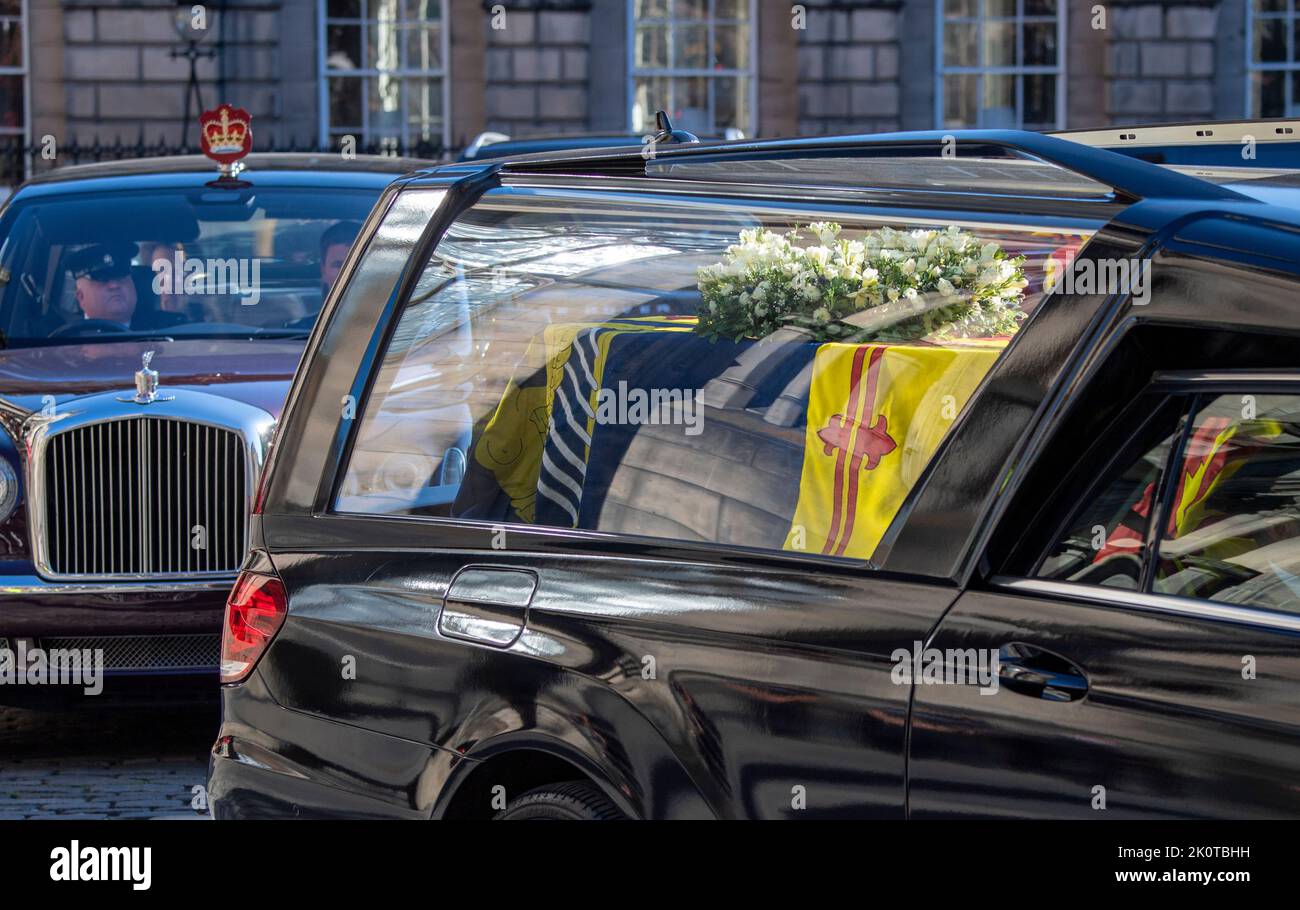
(693, 372)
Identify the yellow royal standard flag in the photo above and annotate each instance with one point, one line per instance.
(514, 439)
(1216, 451)
(876, 414)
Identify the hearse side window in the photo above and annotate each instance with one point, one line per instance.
(689, 371)
(1229, 517)
(1105, 542)
(1233, 532)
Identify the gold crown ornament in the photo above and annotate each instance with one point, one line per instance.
(226, 135)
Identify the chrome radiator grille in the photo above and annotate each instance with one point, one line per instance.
(145, 497)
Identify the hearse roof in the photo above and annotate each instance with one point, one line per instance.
(982, 161)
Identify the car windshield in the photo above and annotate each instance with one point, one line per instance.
(183, 262)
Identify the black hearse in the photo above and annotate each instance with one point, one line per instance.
(913, 475)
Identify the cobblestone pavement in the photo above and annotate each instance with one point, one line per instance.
(104, 763)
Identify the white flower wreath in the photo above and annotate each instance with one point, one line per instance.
(888, 286)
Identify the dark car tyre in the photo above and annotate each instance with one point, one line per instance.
(573, 801)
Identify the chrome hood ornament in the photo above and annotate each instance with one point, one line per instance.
(146, 384)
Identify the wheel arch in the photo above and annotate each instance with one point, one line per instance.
(519, 762)
(551, 748)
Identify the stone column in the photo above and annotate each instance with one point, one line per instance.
(610, 108)
(299, 84)
(49, 102)
(849, 64)
(777, 70)
(537, 58)
(1085, 68)
(1161, 61)
(467, 43)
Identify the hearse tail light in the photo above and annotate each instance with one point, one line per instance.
(254, 613)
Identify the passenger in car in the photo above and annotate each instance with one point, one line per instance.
(335, 241)
(153, 253)
(334, 245)
(107, 292)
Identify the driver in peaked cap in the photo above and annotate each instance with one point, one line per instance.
(106, 290)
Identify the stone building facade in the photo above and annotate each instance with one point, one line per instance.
(312, 71)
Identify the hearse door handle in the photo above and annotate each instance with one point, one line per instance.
(487, 604)
(1029, 670)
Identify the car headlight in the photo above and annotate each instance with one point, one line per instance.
(8, 489)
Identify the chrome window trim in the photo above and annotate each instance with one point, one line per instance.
(187, 406)
(1234, 378)
(1160, 603)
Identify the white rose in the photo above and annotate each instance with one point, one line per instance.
(820, 256)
